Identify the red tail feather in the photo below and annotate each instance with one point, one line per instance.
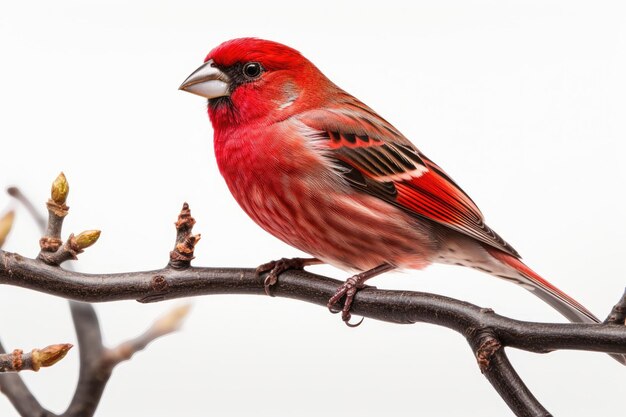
(562, 302)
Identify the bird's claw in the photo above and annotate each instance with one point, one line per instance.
(275, 268)
(357, 324)
(270, 279)
(347, 289)
(333, 309)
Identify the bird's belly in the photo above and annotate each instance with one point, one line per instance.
(344, 228)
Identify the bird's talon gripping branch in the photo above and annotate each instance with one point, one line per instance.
(275, 268)
(349, 290)
(269, 280)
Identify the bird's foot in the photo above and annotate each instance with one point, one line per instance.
(349, 290)
(275, 268)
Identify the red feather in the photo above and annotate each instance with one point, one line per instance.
(272, 54)
(321, 170)
(357, 136)
(562, 302)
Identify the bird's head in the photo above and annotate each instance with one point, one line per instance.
(250, 80)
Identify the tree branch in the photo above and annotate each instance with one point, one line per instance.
(18, 361)
(13, 387)
(486, 332)
(17, 194)
(392, 306)
(57, 210)
(495, 366)
(96, 361)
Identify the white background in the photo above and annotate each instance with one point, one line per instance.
(523, 103)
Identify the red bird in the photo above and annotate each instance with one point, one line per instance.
(322, 171)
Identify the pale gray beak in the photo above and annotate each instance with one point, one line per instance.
(207, 81)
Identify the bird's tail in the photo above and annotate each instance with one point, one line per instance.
(563, 303)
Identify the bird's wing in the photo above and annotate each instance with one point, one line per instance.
(373, 157)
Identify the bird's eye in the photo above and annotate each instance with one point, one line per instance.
(252, 69)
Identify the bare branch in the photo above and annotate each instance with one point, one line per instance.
(53, 251)
(18, 361)
(70, 250)
(495, 366)
(57, 210)
(20, 396)
(96, 361)
(11, 384)
(486, 332)
(386, 305)
(392, 306)
(92, 377)
(167, 324)
(17, 194)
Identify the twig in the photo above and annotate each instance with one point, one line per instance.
(96, 361)
(57, 210)
(13, 387)
(52, 252)
(17, 360)
(73, 246)
(17, 194)
(182, 255)
(167, 324)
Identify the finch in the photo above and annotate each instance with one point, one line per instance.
(322, 171)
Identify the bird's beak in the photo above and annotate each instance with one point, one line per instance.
(207, 81)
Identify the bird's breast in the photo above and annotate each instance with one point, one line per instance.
(270, 172)
(288, 190)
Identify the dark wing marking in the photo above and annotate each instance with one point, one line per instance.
(373, 157)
